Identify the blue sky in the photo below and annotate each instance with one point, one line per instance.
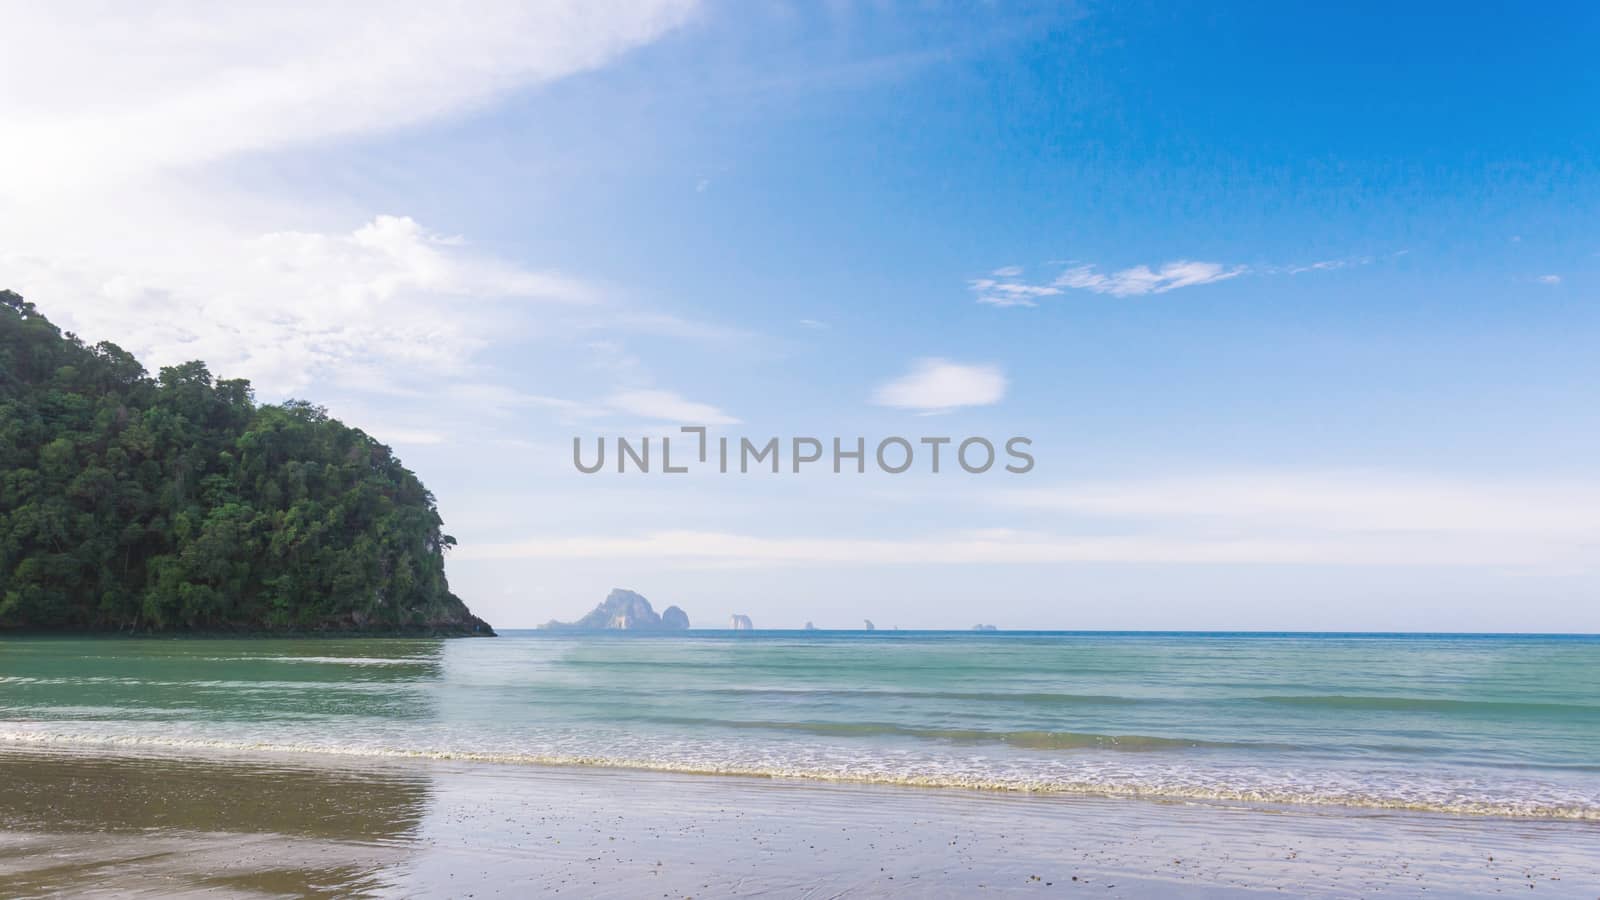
(1298, 307)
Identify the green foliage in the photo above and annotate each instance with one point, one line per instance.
(177, 503)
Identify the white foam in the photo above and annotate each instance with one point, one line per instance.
(1253, 785)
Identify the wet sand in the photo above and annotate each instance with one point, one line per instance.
(96, 825)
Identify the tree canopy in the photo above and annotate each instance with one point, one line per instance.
(176, 503)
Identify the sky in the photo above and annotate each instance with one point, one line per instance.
(1297, 308)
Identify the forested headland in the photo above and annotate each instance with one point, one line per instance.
(175, 503)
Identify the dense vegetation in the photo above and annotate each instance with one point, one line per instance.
(176, 503)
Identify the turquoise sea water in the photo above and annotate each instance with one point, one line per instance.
(1501, 725)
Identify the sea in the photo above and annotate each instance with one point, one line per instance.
(1484, 725)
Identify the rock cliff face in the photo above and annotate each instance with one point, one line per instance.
(741, 623)
(625, 611)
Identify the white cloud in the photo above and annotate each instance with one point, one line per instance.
(813, 323)
(283, 309)
(117, 227)
(1141, 280)
(1007, 291)
(91, 91)
(668, 406)
(1005, 286)
(1549, 279)
(937, 385)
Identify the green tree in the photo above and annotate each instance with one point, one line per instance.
(176, 503)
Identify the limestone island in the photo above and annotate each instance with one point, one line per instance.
(624, 610)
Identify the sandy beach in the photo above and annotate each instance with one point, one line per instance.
(98, 825)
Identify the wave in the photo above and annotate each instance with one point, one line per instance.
(1031, 740)
(1036, 697)
(1442, 799)
(1430, 704)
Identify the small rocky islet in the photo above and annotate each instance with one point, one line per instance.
(624, 610)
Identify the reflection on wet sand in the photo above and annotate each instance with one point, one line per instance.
(75, 824)
(79, 825)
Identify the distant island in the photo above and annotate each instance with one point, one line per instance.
(624, 610)
(739, 622)
(984, 628)
(176, 504)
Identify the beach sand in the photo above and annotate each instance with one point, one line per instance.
(97, 825)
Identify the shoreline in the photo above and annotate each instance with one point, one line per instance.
(240, 824)
(315, 755)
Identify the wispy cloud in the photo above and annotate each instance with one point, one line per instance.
(498, 400)
(1140, 280)
(1005, 287)
(287, 307)
(1549, 279)
(938, 385)
(121, 225)
(211, 80)
(668, 407)
(1004, 291)
(1329, 265)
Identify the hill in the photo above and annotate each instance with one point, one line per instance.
(176, 503)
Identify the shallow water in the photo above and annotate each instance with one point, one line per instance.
(1500, 725)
